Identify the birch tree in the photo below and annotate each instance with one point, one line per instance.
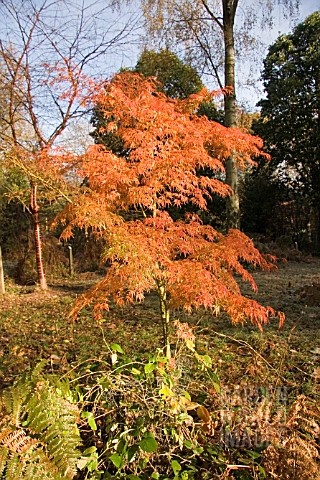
(207, 32)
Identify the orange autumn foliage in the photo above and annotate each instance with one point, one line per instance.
(189, 264)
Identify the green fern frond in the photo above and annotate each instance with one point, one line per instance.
(14, 468)
(39, 437)
(4, 452)
(12, 402)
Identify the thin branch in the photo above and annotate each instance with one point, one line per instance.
(213, 17)
(33, 176)
(208, 56)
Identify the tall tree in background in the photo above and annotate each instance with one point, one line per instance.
(178, 79)
(46, 49)
(290, 115)
(206, 30)
(187, 263)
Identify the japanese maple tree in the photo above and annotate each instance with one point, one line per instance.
(189, 264)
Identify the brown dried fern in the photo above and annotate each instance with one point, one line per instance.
(16, 441)
(297, 455)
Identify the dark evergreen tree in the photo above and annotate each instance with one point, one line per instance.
(289, 124)
(290, 114)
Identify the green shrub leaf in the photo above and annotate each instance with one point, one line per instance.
(91, 421)
(116, 348)
(176, 467)
(149, 367)
(148, 443)
(117, 460)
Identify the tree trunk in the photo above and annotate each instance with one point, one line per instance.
(233, 208)
(2, 287)
(34, 207)
(165, 317)
(71, 265)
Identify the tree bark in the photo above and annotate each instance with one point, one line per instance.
(165, 318)
(35, 211)
(233, 208)
(71, 265)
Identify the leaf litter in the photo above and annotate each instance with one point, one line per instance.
(35, 325)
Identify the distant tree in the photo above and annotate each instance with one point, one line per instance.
(44, 81)
(188, 264)
(14, 204)
(289, 120)
(178, 79)
(260, 196)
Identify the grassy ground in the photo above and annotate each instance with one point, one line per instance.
(264, 387)
(36, 325)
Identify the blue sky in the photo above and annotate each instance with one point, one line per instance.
(127, 54)
(249, 96)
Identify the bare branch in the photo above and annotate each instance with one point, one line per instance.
(56, 35)
(215, 18)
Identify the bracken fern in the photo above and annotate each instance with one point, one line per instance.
(297, 454)
(39, 437)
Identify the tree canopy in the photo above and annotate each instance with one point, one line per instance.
(187, 263)
(178, 79)
(175, 78)
(289, 121)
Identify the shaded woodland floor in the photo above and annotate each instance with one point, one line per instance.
(35, 325)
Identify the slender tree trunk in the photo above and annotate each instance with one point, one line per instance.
(71, 265)
(35, 210)
(2, 287)
(233, 207)
(165, 317)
